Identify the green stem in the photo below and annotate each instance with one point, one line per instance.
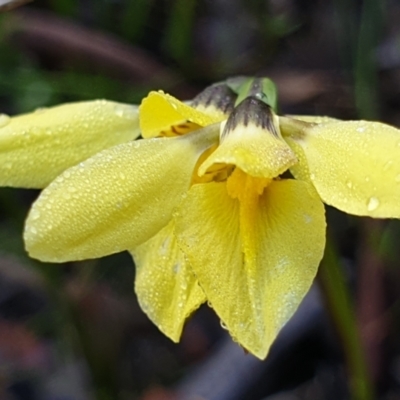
(342, 312)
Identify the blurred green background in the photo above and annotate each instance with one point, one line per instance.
(75, 331)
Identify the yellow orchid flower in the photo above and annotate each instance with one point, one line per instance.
(203, 206)
(36, 147)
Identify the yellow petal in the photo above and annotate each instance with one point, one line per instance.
(167, 290)
(253, 148)
(163, 114)
(316, 119)
(255, 277)
(113, 201)
(35, 148)
(355, 166)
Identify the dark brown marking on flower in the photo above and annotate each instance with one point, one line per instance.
(180, 129)
(218, 95)
(254, 111)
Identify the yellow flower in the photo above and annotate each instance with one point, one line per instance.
(214, 219)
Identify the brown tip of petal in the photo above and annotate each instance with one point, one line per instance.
(218, 96)
(251, 111)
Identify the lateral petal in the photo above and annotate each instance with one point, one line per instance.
(36, 147)
(354, 165)
(316, 119)
(115, 200)
(167, 290)
(256, 289)
(161, 113)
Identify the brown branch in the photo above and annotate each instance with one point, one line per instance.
(46, 33)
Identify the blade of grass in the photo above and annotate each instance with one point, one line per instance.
(341, 308)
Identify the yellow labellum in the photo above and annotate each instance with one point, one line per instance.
(36, 147)
(255, 257)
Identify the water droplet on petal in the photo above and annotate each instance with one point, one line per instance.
(40, 110)
(373, 203)
(349, 184)
(387, 165)
(176, 268)
(361, 129)
(35, 215)
(119, 111)
(4, 120)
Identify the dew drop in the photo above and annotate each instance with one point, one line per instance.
(307, 218)
(40, 110)
(223, 325)
(4, 120)
(387, 165)
(373, 204)
(361, 129)
(35, 215)
(176, 268)
(119, 111)
(349, 184)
